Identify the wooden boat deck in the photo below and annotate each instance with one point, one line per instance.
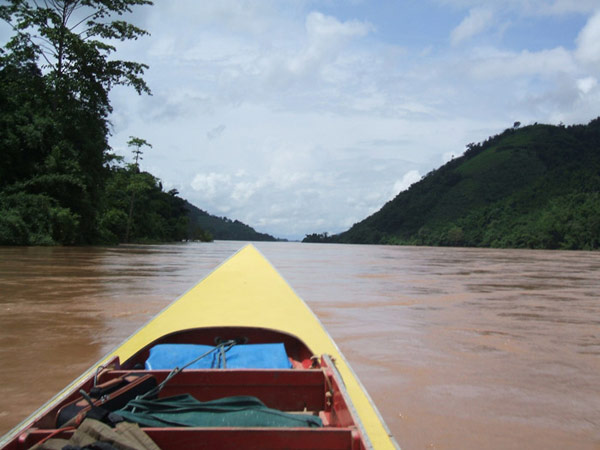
(306, 391)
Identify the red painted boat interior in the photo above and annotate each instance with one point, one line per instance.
(317, 390)
(295, 348)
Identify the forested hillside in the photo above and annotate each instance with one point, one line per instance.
(59, 181)
(531, 187)
(223, 228)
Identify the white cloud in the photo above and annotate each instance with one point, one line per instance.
(321, 27)
(478, 20)
(243, 191)
(585, 85)
(407, 180)
(326, 37)
(588, 42)
(211, 184)
(491, 64)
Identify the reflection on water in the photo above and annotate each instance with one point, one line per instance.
(459, 348)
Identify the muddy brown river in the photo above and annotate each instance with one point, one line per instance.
(459, 348)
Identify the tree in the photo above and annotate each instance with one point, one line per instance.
(137, 144)
(72, 38)
(137, 184)
(24, 119)
(58, 129)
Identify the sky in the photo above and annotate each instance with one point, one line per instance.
(300, 116)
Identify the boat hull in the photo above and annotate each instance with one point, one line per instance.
(244, 296)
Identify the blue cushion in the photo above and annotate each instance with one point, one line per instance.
(247, 356)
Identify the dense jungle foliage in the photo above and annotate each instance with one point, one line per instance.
(60, 183)
(223, 228)
(531, 187)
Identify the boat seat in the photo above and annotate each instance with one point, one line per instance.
(282, 389)
(303, 391)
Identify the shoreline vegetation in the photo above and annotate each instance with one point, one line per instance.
(60, 182)
(533, 187)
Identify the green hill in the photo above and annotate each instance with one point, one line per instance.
(533, 187)
(221, 228)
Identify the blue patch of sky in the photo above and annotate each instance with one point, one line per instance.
(543, 32)
(413, 24)
(6, 33)
(419, 24)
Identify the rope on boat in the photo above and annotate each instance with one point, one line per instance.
(221, 348)
(99, 369)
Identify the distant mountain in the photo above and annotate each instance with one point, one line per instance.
(531, 187)
(221, 228)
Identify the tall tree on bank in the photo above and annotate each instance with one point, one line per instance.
(137, 183)
(54, 127)
(73, 39)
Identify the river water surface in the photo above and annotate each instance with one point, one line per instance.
(459, 348)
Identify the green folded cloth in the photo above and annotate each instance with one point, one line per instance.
(185, 411)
